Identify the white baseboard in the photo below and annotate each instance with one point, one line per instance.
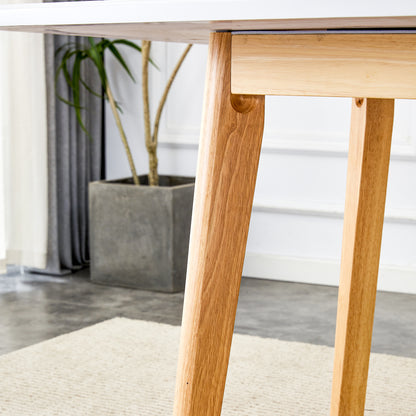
(312, 209)
(322, 272)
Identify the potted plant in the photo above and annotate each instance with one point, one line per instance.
(139, 226)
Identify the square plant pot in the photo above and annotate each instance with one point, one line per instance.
(139, 235)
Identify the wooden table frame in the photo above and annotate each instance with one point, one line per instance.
(373, 69)
(241, 70)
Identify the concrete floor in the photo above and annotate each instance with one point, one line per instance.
(34, 308)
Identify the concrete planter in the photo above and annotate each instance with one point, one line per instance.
(139, 235)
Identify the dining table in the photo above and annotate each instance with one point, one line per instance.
(364, 50)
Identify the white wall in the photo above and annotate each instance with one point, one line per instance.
(296, 226)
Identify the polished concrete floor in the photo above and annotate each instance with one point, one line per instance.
(34, 308)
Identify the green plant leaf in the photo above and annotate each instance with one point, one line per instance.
(90, 90)
(118, 106)
(127, 43)
(97, 58)
(63, 67)
(134, 46)
(71, 104)
(72, 56)
(67, 45)
(76, 77)
(118, 56)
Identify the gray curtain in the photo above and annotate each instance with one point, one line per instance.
(73, 161)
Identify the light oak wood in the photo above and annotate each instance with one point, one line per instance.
(231, 136)
(341, 65)
(368, 165)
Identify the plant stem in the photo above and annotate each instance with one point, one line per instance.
(150, 146)
(166, 92)
(152, 140)
(122, 134)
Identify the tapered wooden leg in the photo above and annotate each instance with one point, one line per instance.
(231, 135)
(368, 164)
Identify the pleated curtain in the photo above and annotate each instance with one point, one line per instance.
(23, 142)
(46, 160)
(73, 161)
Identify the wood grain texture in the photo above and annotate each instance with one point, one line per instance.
(231, 136)
(339, 65)
(368, 165)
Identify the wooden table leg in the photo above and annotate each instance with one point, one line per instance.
(231, 136)
(368, 164)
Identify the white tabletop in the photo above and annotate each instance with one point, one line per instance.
(192, 20)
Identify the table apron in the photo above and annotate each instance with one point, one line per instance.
(376, 65)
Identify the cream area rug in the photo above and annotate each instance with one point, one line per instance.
(127, 367)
